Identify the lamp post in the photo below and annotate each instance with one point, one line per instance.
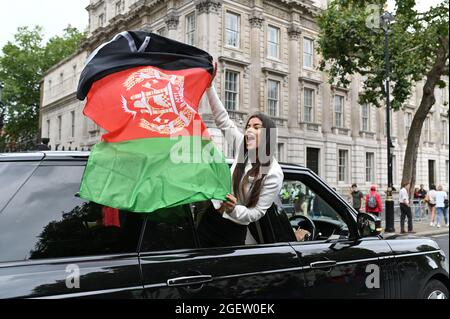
(386, 20)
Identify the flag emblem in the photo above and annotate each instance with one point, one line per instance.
(156, 100)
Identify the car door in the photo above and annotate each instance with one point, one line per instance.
(336, 263)
(55, 245)
(174, 265)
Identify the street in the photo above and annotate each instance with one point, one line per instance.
(442, 241)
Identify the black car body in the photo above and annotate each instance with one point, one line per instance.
(56, 245)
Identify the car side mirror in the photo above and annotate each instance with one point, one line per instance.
(369, 225)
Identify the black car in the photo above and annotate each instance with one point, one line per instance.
(54, 244)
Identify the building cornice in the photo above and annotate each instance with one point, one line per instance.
(310, 80)
(60, 102)
(208, 6)
(95, 5)
(229, 60)
(268, 70)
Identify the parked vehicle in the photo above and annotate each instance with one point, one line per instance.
(54, 244)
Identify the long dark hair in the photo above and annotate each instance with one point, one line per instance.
(267, 141)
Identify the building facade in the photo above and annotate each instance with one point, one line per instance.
(266, 62)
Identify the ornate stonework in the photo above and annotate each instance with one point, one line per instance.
(172, 20)
(208, 6)
(294, 32)
(256, 19)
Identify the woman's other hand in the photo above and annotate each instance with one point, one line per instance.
(229, 205)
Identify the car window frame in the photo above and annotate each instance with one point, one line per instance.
(327, 194)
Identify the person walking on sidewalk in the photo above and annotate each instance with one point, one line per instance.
(373, 202)
(357, 197)
(430, 198)
(440, 196)
(405, 209)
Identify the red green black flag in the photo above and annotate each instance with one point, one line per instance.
(144, 90)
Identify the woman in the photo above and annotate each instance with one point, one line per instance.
(257, 179)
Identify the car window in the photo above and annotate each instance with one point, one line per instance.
(12, 176)
(169, 229)
(46, 220)
(300, 204)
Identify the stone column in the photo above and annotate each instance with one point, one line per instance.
(172, 21)
(256, 21)
(355, 108)
(294, 35)
(208, 12)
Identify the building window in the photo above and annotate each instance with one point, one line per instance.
(61, 77)
(48, 128)
(230, 150)
(280, 153)
(273, 44)
(119, 6)
(59, 127)
(190, 28)
(72, 117)
(101, 20)
(232, 29)
(365, 115)
(408, 121)
(343, 166)
(231, 90)
(308, 53)
(162, 31)
(273, 97)
(308, 105)
(339, 110)
(445, 131)
(426, 130)
(370, 165)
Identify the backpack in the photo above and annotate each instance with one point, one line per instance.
(372, 202)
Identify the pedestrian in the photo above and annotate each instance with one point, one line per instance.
(373, 201)
(440, 197)
(357, 197)
(416, 203)
(405, 209)
(422, 195)
(430, 199)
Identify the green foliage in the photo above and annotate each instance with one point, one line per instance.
(22, 66)
(352, 41)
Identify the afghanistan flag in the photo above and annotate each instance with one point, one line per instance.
(144, 90)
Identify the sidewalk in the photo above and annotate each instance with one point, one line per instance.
(422, 228)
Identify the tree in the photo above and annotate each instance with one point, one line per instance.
(22, 66)
(351, 42)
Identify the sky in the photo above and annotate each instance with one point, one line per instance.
(52, 15)
(55, 15)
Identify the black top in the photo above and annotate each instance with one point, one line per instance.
(137, 48)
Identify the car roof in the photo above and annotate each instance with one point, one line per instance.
(83, 156)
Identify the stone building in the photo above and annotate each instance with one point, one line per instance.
(267, 62)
